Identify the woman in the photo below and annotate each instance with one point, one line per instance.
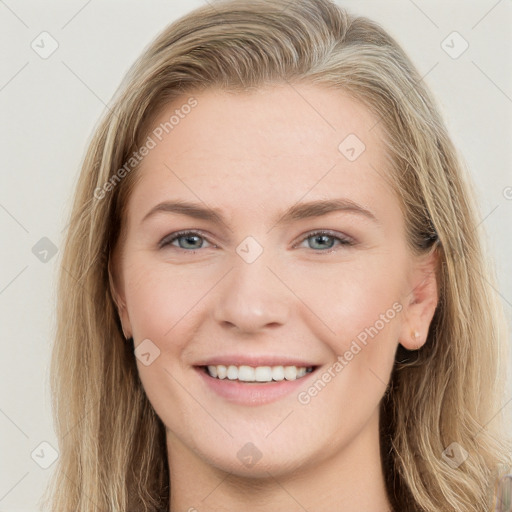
(273, 294)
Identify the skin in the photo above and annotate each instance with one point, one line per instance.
(253, 155)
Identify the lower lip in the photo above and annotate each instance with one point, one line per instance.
(248, 393)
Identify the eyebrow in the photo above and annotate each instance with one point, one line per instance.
(296, 212)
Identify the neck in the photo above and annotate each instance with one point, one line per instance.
(349, 479)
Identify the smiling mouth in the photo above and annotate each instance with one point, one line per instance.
(257, 374)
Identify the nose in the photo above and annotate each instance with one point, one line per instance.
(252, 297)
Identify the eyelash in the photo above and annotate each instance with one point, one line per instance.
(343, 241)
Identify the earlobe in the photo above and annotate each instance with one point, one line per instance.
(421, 304)
(414, 341)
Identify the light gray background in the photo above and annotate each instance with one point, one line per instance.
(49, 108)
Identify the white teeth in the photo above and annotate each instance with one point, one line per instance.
(290, 372)
(263, 374)
(232, 372)
(246, 373)
(277, 373)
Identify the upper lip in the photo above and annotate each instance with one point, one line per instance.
(263, 360)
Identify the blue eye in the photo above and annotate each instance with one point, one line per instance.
(187, 240)
(326, 240)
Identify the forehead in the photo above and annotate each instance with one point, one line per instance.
(263, 148)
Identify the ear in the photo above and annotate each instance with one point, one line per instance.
(420, 301)
(117, 292)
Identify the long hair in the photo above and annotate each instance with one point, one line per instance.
(111, 442)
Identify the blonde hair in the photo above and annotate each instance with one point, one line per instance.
(111, 442)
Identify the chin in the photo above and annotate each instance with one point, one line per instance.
(256, 460)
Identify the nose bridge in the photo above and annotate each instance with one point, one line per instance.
(251, 296)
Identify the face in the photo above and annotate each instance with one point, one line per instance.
(281, 250)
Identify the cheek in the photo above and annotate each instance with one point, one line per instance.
(160, 301)
(361, 317)
(159, 296)
(355, 300)
(360, 309)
